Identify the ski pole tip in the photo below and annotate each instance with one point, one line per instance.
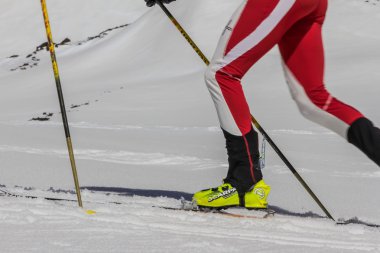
(90, 212)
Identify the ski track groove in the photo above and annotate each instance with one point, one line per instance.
(120, 157)
(118, 127)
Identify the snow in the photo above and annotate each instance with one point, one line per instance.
(142, 119)
(134, 226)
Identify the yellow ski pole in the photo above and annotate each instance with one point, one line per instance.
(61, 100)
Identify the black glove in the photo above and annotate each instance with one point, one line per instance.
(151, 3)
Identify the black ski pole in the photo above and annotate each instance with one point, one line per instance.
(254, 121)
(61, 100)
(290, 166)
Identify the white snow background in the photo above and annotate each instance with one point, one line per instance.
(142, 119)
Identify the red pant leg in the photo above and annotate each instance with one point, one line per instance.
(254, 29)
(302, 52)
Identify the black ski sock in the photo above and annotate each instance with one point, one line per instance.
(365, 136)
(240, 158)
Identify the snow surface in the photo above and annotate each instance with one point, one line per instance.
(142, 119)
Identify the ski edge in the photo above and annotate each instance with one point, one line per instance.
(189, 206)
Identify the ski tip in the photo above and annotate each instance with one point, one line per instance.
(356, 221)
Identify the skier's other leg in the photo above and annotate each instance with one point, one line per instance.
(303, 59)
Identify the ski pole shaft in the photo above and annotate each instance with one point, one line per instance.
(290, 166)
(183, 32)
(61, 100)
(254, 121)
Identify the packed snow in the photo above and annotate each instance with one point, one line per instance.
(145, 132)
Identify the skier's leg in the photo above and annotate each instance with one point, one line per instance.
(303, 58)
(254, 29)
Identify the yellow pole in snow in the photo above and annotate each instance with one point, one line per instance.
(61, 101)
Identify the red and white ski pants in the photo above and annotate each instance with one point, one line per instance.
(256, 27)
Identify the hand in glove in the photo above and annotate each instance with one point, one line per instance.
(151, 3)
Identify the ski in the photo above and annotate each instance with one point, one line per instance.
(9, 194)
(235, 212)
(356, 221)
